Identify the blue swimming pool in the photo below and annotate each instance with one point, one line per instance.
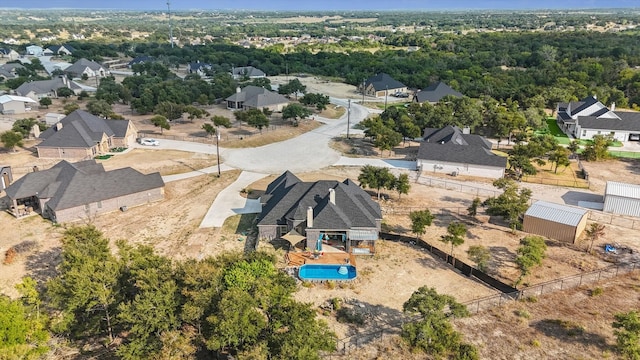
(320, 272)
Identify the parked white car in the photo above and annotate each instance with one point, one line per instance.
(149, 142)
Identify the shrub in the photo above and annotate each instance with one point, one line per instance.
(10, 256)
(350, 316)
(331, 284)
(597, 291)
(523, 313)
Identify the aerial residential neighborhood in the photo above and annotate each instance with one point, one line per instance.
(321, 184)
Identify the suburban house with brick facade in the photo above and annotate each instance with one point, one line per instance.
(82, 190)
(339, 214)
(255, 97)
(82, 135)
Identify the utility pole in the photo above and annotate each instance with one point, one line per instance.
(386, 93)
(348, 117)
(218, 148)
(170, 25)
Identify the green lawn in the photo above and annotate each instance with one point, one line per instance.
(562, 138)
(625, 154)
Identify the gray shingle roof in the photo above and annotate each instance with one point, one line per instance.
(249, 71)
(289, 199)
(384, 81)
(435, 92)
(628, 121)
(257, 97)
(449, 144)
(45, 86)
(69, 185)
(79, 67)
(82, 129)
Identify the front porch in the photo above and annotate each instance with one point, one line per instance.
(24, 207)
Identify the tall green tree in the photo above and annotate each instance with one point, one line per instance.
(11, 139)
(257, 119)
(433, 333)
(455, 235)
(294, 112)
(161, 122)
(479, 255)
(627, 331)
(99, 108)
(387, 139)
(559, 157)
(294, 86)
(530, 254)
(45, 101)
(511, 204)
(420, 219)
(87, 291)
(376, 178)
(151, 306)
(402, 185)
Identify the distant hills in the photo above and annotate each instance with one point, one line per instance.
(326, 5)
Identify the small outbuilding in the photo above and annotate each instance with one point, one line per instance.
(555, 221)
(622, 198)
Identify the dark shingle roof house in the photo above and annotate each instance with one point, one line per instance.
(450, 150)
(46, 88)
(325, 207)
(141, 60)
(382, 82)
(256, 97)
(72, 191)
(589, 117)
(84, 66)
(434, 92)
(81, 134)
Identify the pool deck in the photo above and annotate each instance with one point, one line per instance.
(304, 257)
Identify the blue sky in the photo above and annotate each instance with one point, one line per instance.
(324, 4)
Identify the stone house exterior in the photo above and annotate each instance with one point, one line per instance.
(82, 190)
(82, 135)
(327, 211)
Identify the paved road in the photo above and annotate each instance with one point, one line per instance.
(307, 152)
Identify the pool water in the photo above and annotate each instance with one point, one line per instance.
(319, 272)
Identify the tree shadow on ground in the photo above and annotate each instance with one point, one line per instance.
(501, 257)
(568, 331)
(281, 244)
(632, 165)
(41, 265)
(375, 319)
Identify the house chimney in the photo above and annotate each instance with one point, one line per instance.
(35, 130)
(58, 126)
(238, 90)
(332, 196)
(613, 106)
(309, 217)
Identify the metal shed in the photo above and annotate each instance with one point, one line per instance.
(555, 221)
(622, 198)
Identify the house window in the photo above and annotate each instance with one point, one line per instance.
(86, 207)
(584, 132)
(282, 229)
(99, 204)
(613, 133)
(599, 132)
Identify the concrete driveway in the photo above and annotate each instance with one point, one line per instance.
(229, 202)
